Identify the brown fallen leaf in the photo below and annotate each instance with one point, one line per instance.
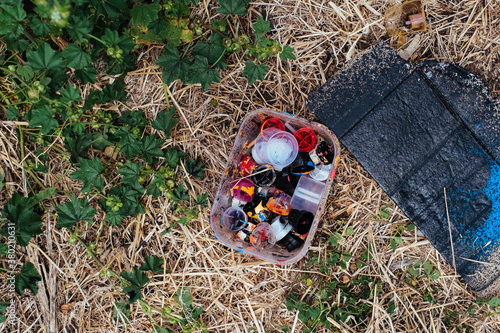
(65, 308)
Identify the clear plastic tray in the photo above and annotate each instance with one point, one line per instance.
(248, 131)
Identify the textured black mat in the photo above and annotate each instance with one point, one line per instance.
(418, 129)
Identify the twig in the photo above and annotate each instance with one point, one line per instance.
(449, 230)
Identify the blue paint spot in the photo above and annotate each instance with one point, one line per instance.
(485, 238)
(239, 250)
(478, 125)
(490, 230)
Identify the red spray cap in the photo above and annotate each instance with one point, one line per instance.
(247, 165)
(272, 122)
(307, 139)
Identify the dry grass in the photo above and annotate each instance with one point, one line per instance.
(237, 293)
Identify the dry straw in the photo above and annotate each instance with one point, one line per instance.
(237, 293)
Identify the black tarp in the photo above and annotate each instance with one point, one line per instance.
(418, 129)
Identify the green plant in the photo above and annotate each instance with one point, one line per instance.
(200, 63)
(415, 270)
(342, 302)
(384, 213)
(396, 238)
(55, 48)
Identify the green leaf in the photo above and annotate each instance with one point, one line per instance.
(130, 145)
(28, 278)
(89, 174)
(45, 194)
(410, 227)
(70, 93)
(201, 200)
(180, 194)
(428, 267)
(152, 264)
(173, 67)
(349, 230)
(179, 9)
(137, 279)
(100, 141)
(173, 156)
(200, 73)
(260, 28)
(335, 238)
(164, 122)
(10, 16)
(78, 145)
(385, 214)
(130, 200)
(74, 211)
(150, 148)
(116, 90)
(86, 75)
(144, 14)
(183, 221)
(75, 57)
(254, 72)
(494, 302)
(114, 218)
(130, 173)
(78, 128)
(195, 168)
(434, 275)
(134, 119)
(393, 244)
(79, 28)
(14, 43)
(12, 113)
(145, 36)
(43, 117)
(171, 33)
(110, 9)
(184, 298)
(121, 310)
(44, 58)
(25, 72)
(413, 271)
(112, 38)
(236, 7)
(3, 309)
(287, 53)
(27, 223)
(39, 27)
(213, 51)
(154, 189)
(93, 98)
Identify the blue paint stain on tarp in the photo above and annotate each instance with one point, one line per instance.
(486, 237)
(489, 232)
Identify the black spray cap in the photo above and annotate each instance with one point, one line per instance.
(286, 181)
(263, 175)
(301, 220)
(291, 242)
(302, 164)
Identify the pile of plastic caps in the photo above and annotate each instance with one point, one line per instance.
(275, 200)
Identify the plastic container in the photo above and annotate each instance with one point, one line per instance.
(248, 132)
(234, 218)
(282, 149)
(259, 150)
(321, 172)
(308, 194)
